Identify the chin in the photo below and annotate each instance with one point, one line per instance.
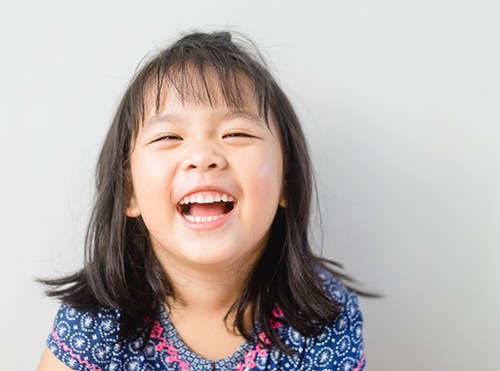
(207, 256)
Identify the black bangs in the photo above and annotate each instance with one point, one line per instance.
(209, 70)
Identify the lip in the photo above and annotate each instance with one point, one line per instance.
(207, 225)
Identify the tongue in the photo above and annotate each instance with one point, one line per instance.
(216, 208)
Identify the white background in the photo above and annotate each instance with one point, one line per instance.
(399, 99)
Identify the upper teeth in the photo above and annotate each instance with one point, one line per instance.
(206, 199)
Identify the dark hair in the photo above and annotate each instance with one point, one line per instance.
(121, 270)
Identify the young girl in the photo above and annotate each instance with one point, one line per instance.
(197, 253)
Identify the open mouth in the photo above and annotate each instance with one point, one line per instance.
(202, 207)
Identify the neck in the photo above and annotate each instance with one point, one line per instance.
(206, 287)
(209, 290)
(205, 293)
(199, 312)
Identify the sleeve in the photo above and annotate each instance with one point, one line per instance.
(84, 341)
(340, 346)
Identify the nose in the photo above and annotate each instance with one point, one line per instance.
(204, 157)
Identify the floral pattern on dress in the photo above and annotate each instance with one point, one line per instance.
(85, 341)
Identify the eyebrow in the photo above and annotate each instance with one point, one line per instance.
(166, 117)
(248, 115)
(229, 115)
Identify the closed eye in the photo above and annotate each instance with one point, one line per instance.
(238, 135)
(166, 140)
(168, 137)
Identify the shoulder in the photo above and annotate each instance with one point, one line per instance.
(336, 290)
(84, 339)
(338, 345)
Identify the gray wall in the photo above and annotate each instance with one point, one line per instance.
(400, 103)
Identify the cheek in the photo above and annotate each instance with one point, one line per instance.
(266, 188)
(151, 183)
(268, 180)
(151, 170)
(269, 172)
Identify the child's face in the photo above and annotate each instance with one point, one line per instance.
(190, 158)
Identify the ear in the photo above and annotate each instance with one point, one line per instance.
(133, 210)
(283, 202)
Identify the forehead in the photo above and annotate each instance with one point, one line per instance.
(236, 92)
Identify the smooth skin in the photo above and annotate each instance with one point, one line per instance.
(49, 362)
(188, 147)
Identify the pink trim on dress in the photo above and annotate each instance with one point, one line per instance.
(260, 349)
(173, 354)
(67, 349)
(360, 364)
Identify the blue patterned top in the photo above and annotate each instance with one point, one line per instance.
(85, 341)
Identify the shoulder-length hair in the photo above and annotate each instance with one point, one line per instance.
(120, 268)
